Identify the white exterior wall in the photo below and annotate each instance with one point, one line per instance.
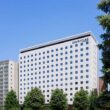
(70, 66)
(8, 69)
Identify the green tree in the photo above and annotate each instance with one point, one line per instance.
(92, 100)
(34, 99)
(58, 100)
(11, 100)
(81, 100)
(104, 20)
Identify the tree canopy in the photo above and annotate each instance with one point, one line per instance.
(103, 100)
(34, 99)
(11, 100)
(81, 101)
(58, 100)
(104, 21)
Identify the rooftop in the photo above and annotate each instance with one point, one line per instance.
(73, 37)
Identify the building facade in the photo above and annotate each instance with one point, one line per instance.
(8, 79)
(68, 64)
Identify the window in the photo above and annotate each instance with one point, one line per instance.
(71, 57)
(87, 76)
(81, 49)
(71, 62)
(76, 72)
(87, 70)
(71, 88)
(87, 42)
(47, 95)
(81, 71)
(76, 88)
(56, 49)
(76, 56)
(66, 58)
(71, 67)
(48, 61)
(76, 50)
(66, 47)
(61, 48)
(81, 60)
(52, 66)
(81, 44)
(52, 55)
(76, 66)
(66, 73)
(71, 51)
(48, 56)
(87, 53)
(87, 82)
(71, 46)
(87, 59)
(87, 48)
(56, 54)
(81, 82)
(71, 73)
(56, 64)
(87, 87)
(61, 58)
(71, 78)
(76, 61)
(61, 64)
(56, 59)
(52, 50)
(66, 63)
(56, 69)
(61, 69)
(76, 82)
(76, 45)
(81, 77)
(81, 66)
(81, 55)
(87, 65)
(76, 77)
(66, 79)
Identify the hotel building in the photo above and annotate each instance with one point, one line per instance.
(68, 64)
(8, 79)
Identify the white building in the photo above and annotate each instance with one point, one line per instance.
(69, 64)
(8, 79)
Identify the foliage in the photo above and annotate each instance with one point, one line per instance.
(104, 21)
(81, 100)
(1, 108)
(92, 100)
(47, 107)
(14, 108)
(103, 101)
(34, 99)
(58, 100)
(11, 100)
(27, 109)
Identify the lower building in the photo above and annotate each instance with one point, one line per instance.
(8, 79)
